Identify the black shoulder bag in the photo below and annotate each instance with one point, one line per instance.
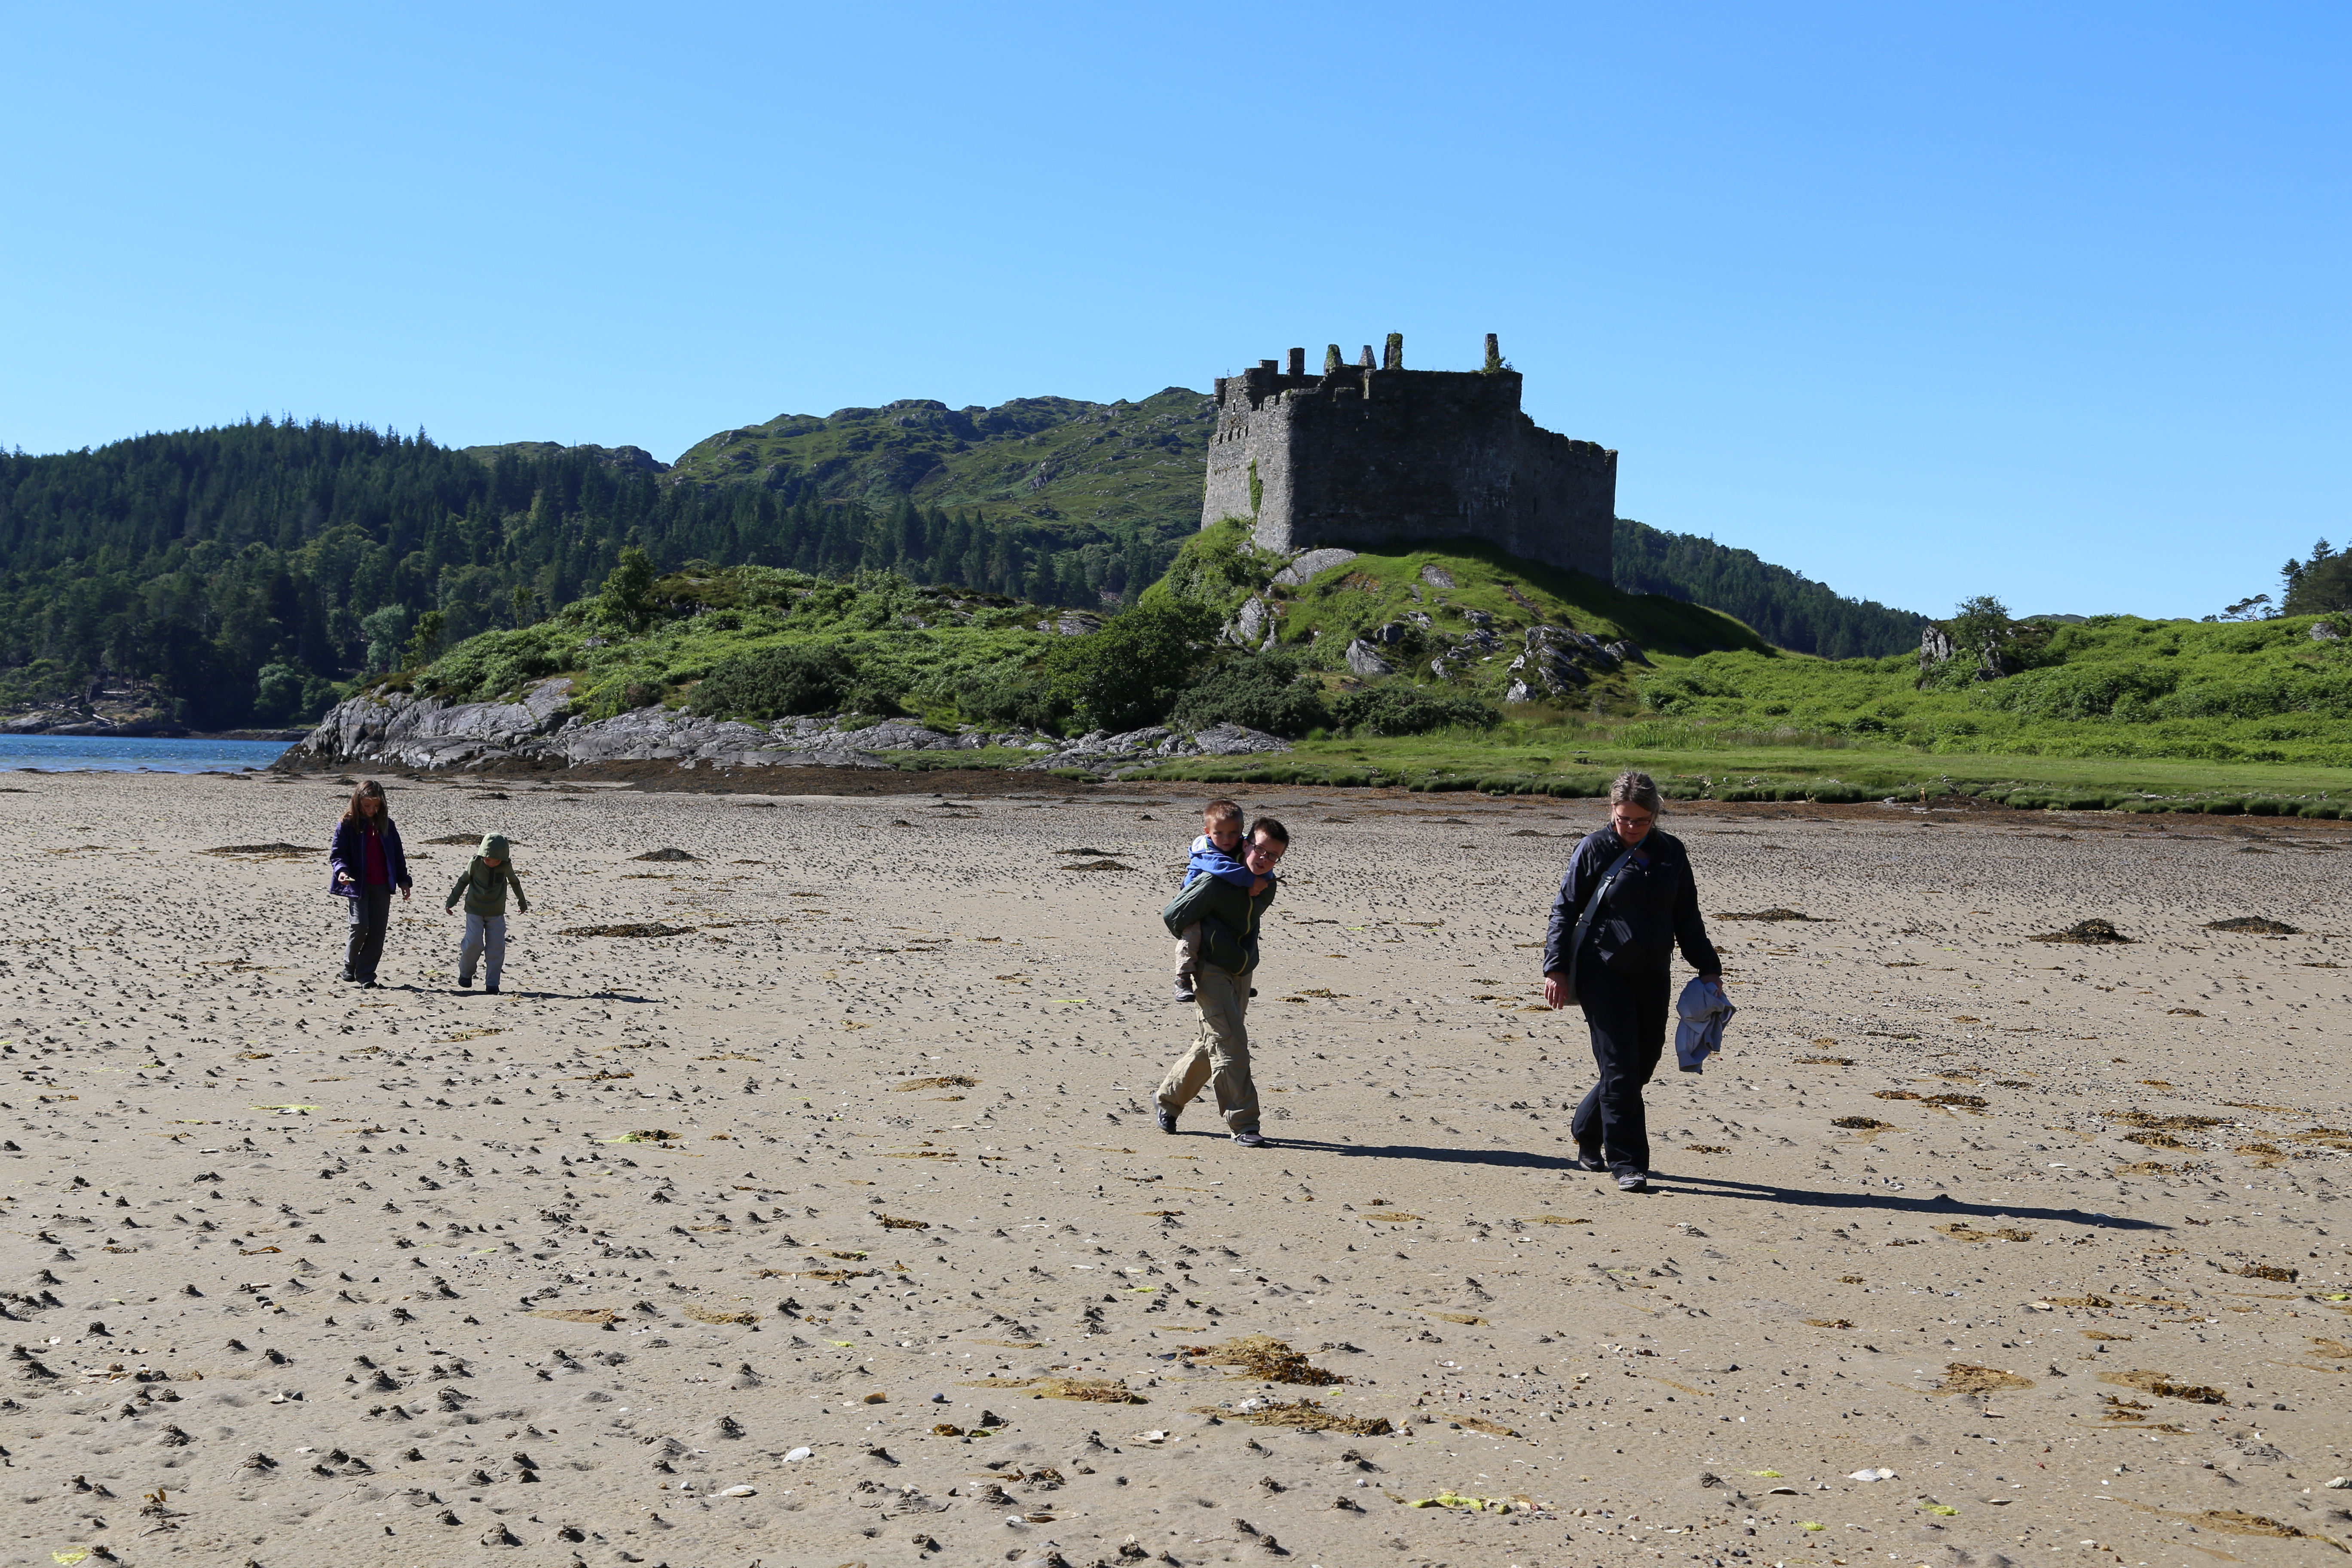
(1584, 924)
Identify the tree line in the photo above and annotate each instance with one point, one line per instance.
(248, 571)
(1785, 607)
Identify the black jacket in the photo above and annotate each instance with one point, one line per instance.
(1228, 918)
(1650, 908)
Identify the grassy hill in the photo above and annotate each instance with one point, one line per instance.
(1070, 470)
(2109, 711)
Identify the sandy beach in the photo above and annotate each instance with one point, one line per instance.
(831, 1227)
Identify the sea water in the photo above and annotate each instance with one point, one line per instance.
(105, 754)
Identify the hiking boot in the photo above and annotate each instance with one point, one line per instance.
(1165, 1117)
(1253, 1138)
(1184, 990)
(1633, 1181)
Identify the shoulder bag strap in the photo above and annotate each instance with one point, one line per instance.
(1584, 920)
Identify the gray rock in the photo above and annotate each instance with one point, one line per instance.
(1627, 651)
(1518, 692)
(1072, 622)
(2323, 631)
(1313, 564)
(1249, 623)
(1102, 752)
(1237, 740)
(1365, 662)
(1554, 659)
(1437, 576)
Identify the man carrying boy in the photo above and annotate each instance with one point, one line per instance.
(1216, 853)
(1229, 918)
(483, 885)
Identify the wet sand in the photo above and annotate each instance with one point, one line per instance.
(864, 1156)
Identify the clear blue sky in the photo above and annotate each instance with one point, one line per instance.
(1922, 299)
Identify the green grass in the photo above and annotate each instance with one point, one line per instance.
(2117, 712)
(2115, 688)
(1219, 568)
(745, 608)
(1542, 754)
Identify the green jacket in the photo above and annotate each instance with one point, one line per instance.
(1228, 915)
(484, 889)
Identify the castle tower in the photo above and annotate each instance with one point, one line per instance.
(1359, 457)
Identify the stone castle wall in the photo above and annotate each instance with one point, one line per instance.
(1360, 454)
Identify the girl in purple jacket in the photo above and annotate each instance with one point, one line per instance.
(367, 864)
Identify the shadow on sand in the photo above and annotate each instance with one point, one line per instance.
(1667, 1185)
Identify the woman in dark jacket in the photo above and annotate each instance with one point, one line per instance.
(1623, 976)
(367, 864)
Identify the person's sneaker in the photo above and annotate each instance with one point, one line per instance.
(489, 990)
(1634, 1181)
(1183, 991)
(465, 982)
(1591, 1159)
(1253, 1138)
(1165, 1117)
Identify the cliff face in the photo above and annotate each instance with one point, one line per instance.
(397, 729)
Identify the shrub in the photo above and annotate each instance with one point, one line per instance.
(1014, 698)
(1127, 675)
(1262, 690)
(778, 683)
(1402, 709)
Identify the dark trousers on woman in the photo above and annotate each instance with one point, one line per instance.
(1627, 1018)
(371, 910)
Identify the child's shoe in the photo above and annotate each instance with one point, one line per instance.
(465, 982)
(1183, 987)
(489, 990)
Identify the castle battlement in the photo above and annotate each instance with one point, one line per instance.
(1361, 454)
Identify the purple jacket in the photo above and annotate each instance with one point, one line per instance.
(347, 858)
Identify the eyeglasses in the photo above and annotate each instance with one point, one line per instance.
(1632, 818)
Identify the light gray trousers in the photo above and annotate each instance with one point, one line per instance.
(486, 936)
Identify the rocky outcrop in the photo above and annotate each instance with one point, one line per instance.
(1102, 752)
(398, 729)
(1072, 622)
(1364, 661)
(1253, 625)
(1558, 662)
(1310, 563)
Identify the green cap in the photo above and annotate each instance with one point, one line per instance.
(494, 847)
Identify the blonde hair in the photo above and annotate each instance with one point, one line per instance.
(1632, 788)
(1221, 811)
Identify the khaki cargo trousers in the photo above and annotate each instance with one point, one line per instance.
(1220, 1055)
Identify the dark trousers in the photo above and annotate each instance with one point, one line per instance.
(371, 911)
(1627, 1018)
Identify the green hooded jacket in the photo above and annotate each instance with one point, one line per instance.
(1228, 915)
(484, 888)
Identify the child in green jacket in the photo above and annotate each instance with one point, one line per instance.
(483, 885)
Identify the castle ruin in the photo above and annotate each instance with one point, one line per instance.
(1361, 454)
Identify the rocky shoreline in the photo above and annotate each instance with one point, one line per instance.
(398, 729)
